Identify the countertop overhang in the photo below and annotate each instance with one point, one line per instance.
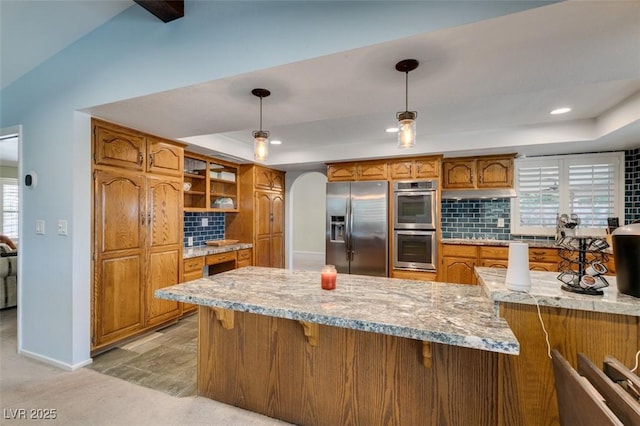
(452, 314)
(546, 291)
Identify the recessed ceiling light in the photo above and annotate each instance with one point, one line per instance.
(559, 111)
(276, 142)
(391, 130)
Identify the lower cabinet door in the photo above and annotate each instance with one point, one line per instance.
(163, 272)
(459, 270)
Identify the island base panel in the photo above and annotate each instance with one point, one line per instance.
(526, 387)
(267, 365)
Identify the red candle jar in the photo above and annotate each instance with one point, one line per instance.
(328, 277)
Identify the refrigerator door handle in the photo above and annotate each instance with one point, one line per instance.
(351, 251)
(347, 234)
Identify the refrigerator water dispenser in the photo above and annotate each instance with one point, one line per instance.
(337, 229)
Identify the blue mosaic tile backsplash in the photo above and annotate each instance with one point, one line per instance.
(632, 185)
(193, 227)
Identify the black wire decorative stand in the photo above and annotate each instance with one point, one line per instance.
(576, 254)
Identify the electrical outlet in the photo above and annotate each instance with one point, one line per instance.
(500, 222)
(189, 241)
(205, 221)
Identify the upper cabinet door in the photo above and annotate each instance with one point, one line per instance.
(120, 214)
(116, 146)
(423, 169)
(495, 173)
(164, 157)
(342, 172)
(164, 211)
(401, 169)
(372, 171)
(458, 174)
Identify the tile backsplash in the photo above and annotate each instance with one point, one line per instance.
(632, 185)
(193, 227)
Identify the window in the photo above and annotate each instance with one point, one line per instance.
(588, 185)
(9, 194)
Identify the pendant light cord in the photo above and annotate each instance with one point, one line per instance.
(260, 113)
(406, 91)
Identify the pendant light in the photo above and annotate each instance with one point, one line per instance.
(406, 118)
(260, 137)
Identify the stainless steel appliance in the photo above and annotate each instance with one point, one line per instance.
(414, 223)
(414, 204)
(413, 249)
(357, 227)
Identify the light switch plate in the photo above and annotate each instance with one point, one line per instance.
(189, 241)
(63, 227)
(40, 226)
(500, 222)
(205, 221)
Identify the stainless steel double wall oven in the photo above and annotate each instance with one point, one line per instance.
(414, 224)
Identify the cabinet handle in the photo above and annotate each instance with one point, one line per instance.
(142, 218)
(480, 178)
(140, 158)
(150, 160)
(471, 175)
(149, 218)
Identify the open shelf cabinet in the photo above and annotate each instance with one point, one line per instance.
(210, 184)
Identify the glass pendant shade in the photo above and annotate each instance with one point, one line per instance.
(260, 145)
(406, 129)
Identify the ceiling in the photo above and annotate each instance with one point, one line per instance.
(485, 87)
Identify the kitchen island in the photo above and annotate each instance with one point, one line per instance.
(596, 326)
(373, 351)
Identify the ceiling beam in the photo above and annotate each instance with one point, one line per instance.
(165, 10)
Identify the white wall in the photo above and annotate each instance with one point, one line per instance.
(135, 54)
(308, 212)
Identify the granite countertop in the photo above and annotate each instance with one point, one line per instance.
(505, 243)
(452, 314)
(545, 287)
(190, 252)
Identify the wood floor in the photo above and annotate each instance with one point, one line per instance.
(165, 360)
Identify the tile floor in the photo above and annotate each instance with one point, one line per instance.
(165, 360)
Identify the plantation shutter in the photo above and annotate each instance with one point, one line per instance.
(10, 207)
(538, 194)
(592, 193)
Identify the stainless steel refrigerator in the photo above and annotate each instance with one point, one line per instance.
(357, 227)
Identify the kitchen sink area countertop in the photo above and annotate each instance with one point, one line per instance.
(451, 314)
(190, 252)
(545, 288)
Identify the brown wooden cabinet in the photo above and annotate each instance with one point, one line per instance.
(209, 183)
(458, 260)
(457, 264)
(365, 170)
(478, 172)
(261, 216)
(164, 246)
(137, 232)
(417, 168)
(129, 149)
(119, 260)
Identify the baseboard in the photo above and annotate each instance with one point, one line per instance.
(54, 362)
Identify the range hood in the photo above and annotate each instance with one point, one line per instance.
(472, 194)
